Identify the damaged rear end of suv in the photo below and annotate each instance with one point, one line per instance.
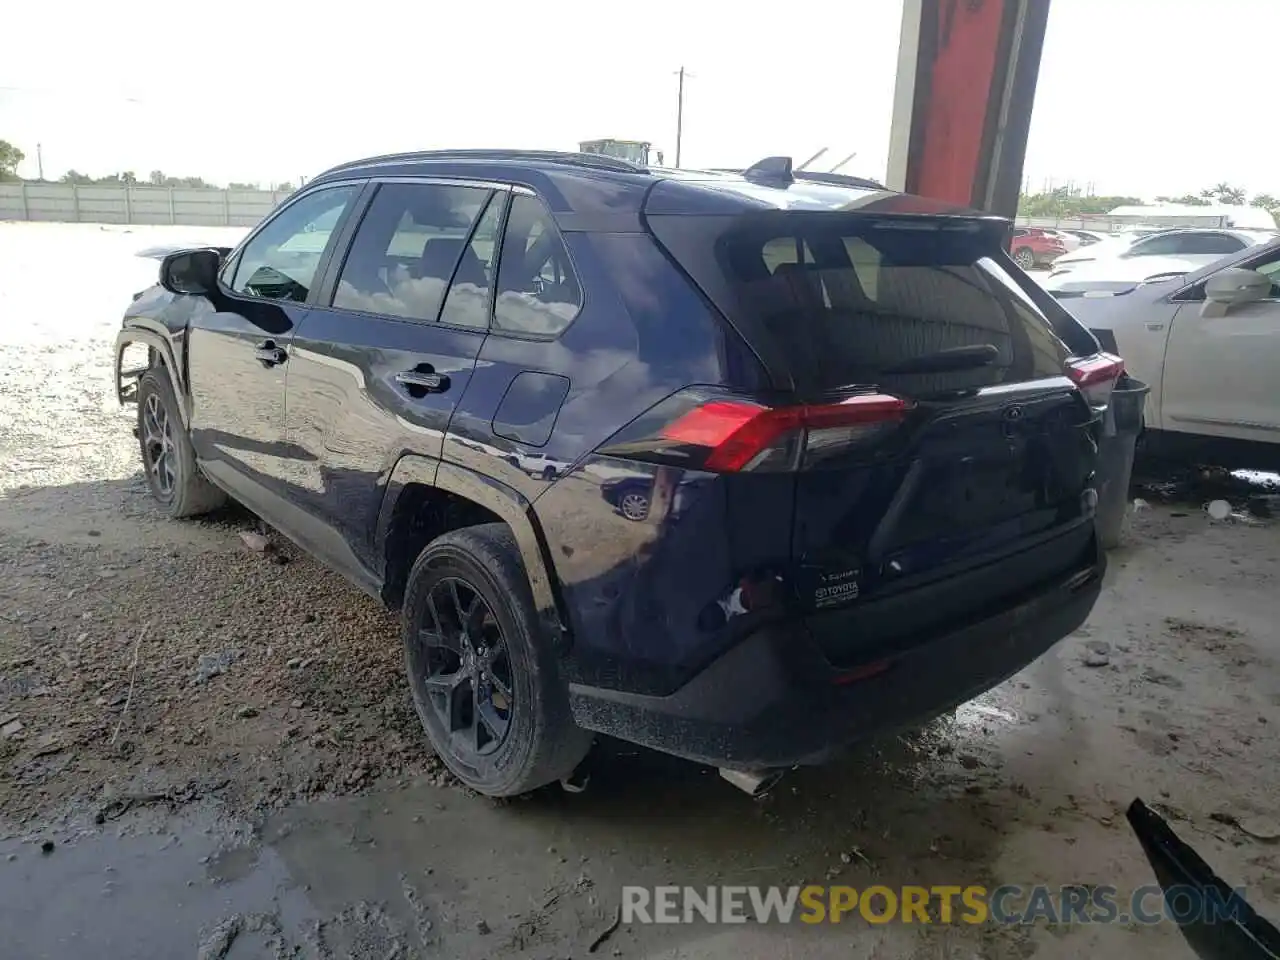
(891, 515)
(740, 466)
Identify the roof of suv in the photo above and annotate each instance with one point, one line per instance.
(576, 184)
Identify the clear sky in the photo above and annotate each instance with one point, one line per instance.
(1135, 96)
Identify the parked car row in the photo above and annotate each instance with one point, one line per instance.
(1205, 337)
(1169, 252)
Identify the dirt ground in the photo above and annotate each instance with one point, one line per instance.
(219, 746)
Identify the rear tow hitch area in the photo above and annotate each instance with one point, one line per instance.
(754, 783)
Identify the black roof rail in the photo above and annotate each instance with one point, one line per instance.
(596, 161)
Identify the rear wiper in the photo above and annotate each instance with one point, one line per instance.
(956, 358)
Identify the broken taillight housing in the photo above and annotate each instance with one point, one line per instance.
(733, 435)
(1096, 376)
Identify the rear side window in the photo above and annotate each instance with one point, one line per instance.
(539, 293)
(412, 241)
(920, 307)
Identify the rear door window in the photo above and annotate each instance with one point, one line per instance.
(920, 307)
(412, 241)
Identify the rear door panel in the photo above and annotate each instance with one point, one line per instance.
(377, 372)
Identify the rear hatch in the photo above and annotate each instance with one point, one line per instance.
(940, 444)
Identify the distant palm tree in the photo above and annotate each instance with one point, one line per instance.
(1225, 193)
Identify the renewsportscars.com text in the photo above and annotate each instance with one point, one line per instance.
(972, 904)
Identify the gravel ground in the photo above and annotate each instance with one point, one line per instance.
(225, 735)
(262, 676)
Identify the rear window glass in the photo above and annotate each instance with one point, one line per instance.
(915, 307)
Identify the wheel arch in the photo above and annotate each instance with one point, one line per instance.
(418, 482)
(162, 348)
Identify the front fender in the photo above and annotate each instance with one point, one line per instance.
(514, 509)
(162, 348)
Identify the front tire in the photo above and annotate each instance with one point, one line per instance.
(486, 685)
(1025, 258)
(168, 459)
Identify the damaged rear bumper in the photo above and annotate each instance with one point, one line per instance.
(775, 700)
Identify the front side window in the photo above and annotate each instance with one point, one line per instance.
(281, 260)
(538, 292)
(412, 242)
(1166, 246)
(1217, 244)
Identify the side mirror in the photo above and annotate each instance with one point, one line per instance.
(190, 271)
(1233, 286)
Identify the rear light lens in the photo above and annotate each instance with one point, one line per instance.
(1096, 376)
(740, 436)
(732, 435)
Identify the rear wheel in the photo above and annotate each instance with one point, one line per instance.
(1025, 258)
(486, 686)
(168, 459)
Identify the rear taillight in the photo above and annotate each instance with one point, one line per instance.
(1096, 376)
(735, 435)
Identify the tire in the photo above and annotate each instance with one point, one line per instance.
(168, 459)
(1025, 258)
(540, 742)
(634, 506)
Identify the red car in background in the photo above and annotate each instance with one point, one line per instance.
(1034, 247)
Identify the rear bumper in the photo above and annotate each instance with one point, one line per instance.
(774, 700)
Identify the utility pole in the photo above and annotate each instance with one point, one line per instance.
(40, 160)
(680, 112)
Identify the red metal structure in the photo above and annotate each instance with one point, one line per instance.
(962, 105)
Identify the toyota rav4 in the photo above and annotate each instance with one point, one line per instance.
(864, 438)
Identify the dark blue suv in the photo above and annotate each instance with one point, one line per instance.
(739, 466)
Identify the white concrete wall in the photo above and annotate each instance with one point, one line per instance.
(72, 203)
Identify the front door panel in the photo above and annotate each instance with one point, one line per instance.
(1220, 373)
(238, 351)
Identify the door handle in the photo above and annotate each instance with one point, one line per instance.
(418, 380)
(270, 354)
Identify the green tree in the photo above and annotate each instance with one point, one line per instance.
(75, 176)
(1063, 202)
(237, 185)
(1186, 200)
(1224, 193)
(1266, 201)
(10, 157)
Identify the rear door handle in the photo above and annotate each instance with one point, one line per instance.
(417, 380)
(270, 354)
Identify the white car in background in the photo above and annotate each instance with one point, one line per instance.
(1207, 341)
(1128, 255)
